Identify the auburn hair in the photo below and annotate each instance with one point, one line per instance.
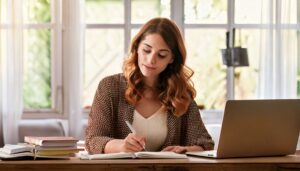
(175, 88)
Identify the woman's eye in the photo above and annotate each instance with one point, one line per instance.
(146, 51)
(162, 55)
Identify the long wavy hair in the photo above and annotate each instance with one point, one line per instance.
(175, 88)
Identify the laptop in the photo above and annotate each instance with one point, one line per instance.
(253, 128)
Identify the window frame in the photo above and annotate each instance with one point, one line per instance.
(56, 29)
(230, 84)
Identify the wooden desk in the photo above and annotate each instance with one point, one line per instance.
(286, 163)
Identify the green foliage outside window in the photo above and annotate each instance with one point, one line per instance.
(37, 62)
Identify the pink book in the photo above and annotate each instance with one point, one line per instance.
(51, 141)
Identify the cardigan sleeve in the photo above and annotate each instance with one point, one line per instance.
(100, 121)
(196, 133)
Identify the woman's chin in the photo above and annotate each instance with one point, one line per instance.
(148, 74)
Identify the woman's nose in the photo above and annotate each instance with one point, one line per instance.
(152, 58)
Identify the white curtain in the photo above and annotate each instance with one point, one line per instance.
(11, 68)
(279, 46)
(73, 45)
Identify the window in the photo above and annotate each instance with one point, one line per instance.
(104, 43)
(41, 85)
(111, 24)
(205, 24)
(41, 51)
(37, 55)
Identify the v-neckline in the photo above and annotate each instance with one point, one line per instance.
(151, 116)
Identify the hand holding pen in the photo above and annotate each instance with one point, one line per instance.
(134, 141)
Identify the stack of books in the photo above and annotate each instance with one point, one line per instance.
(53, 146)
(42, 147)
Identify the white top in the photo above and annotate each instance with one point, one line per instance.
(154, 128)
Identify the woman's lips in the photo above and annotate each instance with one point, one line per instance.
(149, 67)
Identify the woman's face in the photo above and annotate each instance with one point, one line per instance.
(154, 55)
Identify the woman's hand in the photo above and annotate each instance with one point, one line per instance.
(132, 143)
(176, 149)
(183, 149)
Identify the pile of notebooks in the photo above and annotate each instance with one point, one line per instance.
(41, 147)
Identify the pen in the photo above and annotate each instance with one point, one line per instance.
(133, 131)
(130, 127)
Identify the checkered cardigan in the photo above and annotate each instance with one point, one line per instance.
(110, 110)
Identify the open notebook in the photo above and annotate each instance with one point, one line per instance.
(143, 154)
(253, 128)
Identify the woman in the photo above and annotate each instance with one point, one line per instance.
(154, 93)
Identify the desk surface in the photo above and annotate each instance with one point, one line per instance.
(291, 162)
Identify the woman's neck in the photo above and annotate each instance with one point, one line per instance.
(150, 94)
(150, 83)
(150, 91)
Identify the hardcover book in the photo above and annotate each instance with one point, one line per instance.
(51, 141)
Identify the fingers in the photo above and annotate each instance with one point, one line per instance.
(133, 143)
(140, 140)
(169, 148)
(176, 149)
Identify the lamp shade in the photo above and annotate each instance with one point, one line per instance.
(236, 57)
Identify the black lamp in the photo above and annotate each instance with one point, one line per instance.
(235, 56)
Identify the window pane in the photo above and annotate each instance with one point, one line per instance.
(246, 77)
(244, 12)
(205, 11)
(134, 32)
(37, 11)
(37, 69)
(104, 11)
(3, 12)
(144, 10)
(3, 44)
(204, 57)
(290, 50)
(104, 54)
(290, 10)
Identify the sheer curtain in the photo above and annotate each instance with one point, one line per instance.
(11, 68)
(278, 61)
(73, 44)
